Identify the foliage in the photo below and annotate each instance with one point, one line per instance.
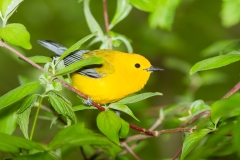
(212, 127)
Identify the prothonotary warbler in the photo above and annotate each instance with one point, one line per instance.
(119, 75)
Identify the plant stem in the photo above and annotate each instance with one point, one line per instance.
(177, 154)
(105, 13)
(152, 133)
(158, 133)
(233, 90)
(21, 56)
(207, 113)
(35, 119)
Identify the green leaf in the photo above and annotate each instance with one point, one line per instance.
(137, 97)
(123, 108)
(92, 23)
(230, 12)
(192, 140)
(62, 106)
(24, 112)
(14, 144)
(213, 77)
(3, 6)
(57, 86)
(8, 120)
(123, 9)
(76, 46)
(78, 135)
(82, 107)
(9, 6)
(40, 59)
(55, 93)
(23, 121)
(77, 65)
(23, 80)
(198, 106)
(225, 108)
(27, 103)
(65, 136)
(109, 124)
(164, 14)
(221, 47)
(174, 63)
(16, 34)
(215, 62)
(118, 37)
(17, 94)
(147, 6)
(38, 156)
(124, 129)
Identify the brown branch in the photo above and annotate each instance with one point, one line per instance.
(21, 56)
(158, 133)
(153, 127)
(152, 133)
(207, 112)
(233, 90)
(105, 13)
(177, 154)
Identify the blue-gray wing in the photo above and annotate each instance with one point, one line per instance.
(71, 58)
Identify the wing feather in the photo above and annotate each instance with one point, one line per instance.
(71, 58)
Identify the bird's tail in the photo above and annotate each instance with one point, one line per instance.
(53, 46)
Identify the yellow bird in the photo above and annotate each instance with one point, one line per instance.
(120, 74)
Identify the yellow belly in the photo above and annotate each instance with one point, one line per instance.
(104, 90)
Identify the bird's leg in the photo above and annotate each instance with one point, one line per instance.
(87, 102)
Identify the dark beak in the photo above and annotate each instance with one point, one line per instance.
(154, 69)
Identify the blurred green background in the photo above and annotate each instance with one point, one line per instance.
(197, 25)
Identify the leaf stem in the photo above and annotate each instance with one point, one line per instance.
(35, 119)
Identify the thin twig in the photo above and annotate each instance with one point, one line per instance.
(130, 151)
(233, 90)
(158, 122)
(153, 127)
(177, 154)
(158, 133)
(105, 13)
(152, 133)
(207, 112)
(21, 56)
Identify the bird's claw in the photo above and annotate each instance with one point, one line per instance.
(87, 102)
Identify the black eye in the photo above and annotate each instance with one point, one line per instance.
(137, 65)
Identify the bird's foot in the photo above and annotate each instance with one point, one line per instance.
(87, 102)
